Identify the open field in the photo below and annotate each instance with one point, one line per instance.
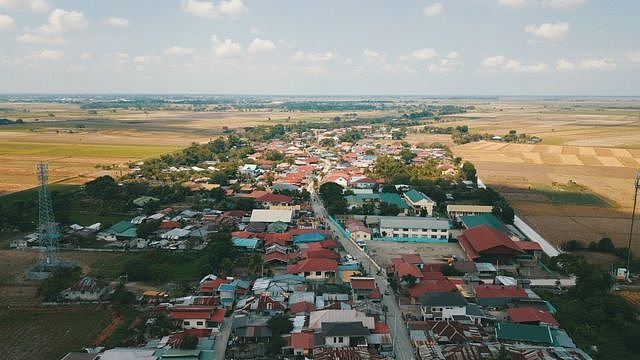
(383, 251)
(49, 333)
(596, 146)
(77, 144)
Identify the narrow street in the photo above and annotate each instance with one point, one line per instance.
(402, 344)
(222, 339)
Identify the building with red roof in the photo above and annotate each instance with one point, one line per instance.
(168, 225)
(210, 287)
(320, 254)
(276, 238)
(314, 269)
(529, 247)
(197, 317)
(414, 259)
(531, 316)
(302, 307)
(498, 295)
(431, 286)
(276, 258)
(488, 243)
(363, 288)
(269, 200)
(300, 344)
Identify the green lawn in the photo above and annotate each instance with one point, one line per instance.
(32, 194)
(575, 195)
(51, 333)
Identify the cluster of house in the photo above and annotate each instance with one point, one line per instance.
(475, 315)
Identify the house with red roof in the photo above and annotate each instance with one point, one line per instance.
(431, 286)
(315, 269)
(299, 344)
(358, 231)
(197, 317)
(168, 225)
(339, 178)
(488, 244)
(531, 316)
(363, 288)
(414, 259)
(498, 295)
(302, 307)
(210, 287)
(531, 248)
(276, 259)
(269, 200)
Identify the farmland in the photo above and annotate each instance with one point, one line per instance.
(593, 147)
(25, 337)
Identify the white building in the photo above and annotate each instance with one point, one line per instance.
(414, 227)
(442, 306)
(418, 201)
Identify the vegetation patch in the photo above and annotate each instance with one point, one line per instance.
(573, 193)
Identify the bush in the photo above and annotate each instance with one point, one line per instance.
(573, 245)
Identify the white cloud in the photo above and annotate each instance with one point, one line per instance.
(47, 55)
(120, 57)
(512, 3)
(603, 64)
(208, 9)
(117, 22)
(424, 54)
(6, 22)
(145, 59)
(26, 5)
(501, 63)
(261, 45)
(555, 4)
(548, 32)
(598, 64)
(447, 65)
(85, 56)
(302, 57)
(373, 57)
(433, 10)
(634, 56)
(59, 22)
(178, 51)
(226, 48)
(565, 65)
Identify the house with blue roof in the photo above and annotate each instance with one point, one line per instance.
(308, 237)
(246, 244)
(227, 294)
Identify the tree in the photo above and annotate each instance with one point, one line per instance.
(469, 172)
(390, 169)
(573, 245)
(122, 296)
(327, 142)
(59, 280)
(606, 245)
(189, 343)
(407, 155)
(280, 324)
(104, 187)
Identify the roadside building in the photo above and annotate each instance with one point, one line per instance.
(455, 211)
(402, 227)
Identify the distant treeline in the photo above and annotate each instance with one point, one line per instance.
(10, 122)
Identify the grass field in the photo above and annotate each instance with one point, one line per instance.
(48, 334)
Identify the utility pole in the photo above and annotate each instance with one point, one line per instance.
(633, 218)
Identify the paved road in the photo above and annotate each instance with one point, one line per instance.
(222, 339)
(402, 344)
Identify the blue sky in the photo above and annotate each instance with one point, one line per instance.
(461, 47)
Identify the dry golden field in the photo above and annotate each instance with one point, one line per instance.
(596, 146)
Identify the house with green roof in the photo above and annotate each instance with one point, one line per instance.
(471, 221)
(418, 201)
(520, 333)
(123, 230)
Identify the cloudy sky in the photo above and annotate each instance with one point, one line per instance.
(457, 47)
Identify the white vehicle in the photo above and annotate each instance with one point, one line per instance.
(361, 244)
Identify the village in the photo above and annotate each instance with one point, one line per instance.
(350, 266)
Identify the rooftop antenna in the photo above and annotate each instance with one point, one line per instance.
(48, 233)
(633, 218)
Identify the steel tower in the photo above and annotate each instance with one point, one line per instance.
(48, 233)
